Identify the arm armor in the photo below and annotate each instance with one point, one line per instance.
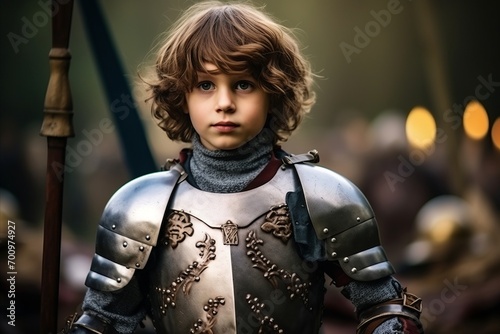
(129, 228)
(88, 324)
(407, 309)
(343, 218)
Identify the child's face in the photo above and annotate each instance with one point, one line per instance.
(226, 110)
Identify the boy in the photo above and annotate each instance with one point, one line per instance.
(236, 236)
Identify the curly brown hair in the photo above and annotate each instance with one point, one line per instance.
(235, 37)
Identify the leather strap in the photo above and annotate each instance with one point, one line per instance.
(93, 324)
(409, 306)
(266, 174)
(311, 156)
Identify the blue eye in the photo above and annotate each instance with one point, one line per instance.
(244, 85)
(205, 85)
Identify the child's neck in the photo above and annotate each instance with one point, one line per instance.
(226, 171)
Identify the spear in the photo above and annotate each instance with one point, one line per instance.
(57, 127)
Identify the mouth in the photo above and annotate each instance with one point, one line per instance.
(225, 126)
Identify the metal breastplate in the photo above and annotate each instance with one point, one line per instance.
(228, 263)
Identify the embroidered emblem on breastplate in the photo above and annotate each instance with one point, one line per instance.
(212, 309)
(230, 233)
(267, 323)
(277, 222)
(179, 225)
(188, 276)
(295, 286)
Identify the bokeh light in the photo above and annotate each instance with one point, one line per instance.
(475, 120)
(420, 127)
(495, 133)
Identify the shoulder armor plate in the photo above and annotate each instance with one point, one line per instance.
(342, 216)
(129, 228)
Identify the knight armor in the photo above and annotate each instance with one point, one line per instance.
(229, 262)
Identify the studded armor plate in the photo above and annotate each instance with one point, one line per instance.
(228, 263)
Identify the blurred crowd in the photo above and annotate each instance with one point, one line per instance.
(442, 235)
(443, 239)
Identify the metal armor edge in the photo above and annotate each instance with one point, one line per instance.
(343, 218)
(129, 228)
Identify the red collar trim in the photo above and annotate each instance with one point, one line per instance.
(267, 173)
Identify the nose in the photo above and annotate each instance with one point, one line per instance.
(225, 101)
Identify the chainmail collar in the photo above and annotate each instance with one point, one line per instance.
(227, 171)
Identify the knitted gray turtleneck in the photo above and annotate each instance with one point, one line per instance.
(227, 171)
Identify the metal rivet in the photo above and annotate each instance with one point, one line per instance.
(354, 270)
(137, 265)
(346, 259)
(334, 254)
(296, 223)
(118, 279)
(113, 226)
(125, 244)
(333, 239)
(141, 248)
(358, 219)
(325, 230)
(148, 237)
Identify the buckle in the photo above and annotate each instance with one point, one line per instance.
(174, 165)
(311, 156)
(412, 301)
(70, 320)
(169, 163)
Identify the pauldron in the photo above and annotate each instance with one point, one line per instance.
(129, 228)
(343, 218)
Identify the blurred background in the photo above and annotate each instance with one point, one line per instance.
(408, 107)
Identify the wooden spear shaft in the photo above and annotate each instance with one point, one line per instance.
(57, 127)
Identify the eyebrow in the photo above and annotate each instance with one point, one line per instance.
(236, 76)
